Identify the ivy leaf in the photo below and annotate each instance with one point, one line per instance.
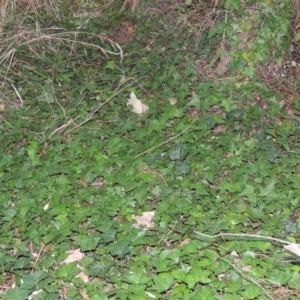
(68, 271)
(101, 268)
(197, 275)
(120, 249)
(235, 114)
(139, 278)
(21, 263)
(183, 168)
(17, 294)
(195, 101)
(251, 292)
(279, 277)
(32, 151)
(163, 282)
(294, 282)
(268, 189)
(178, 153)
(109, 236)
(112, 146)
(290, 227)
(87, 242)
(273, 153)
(31, 281)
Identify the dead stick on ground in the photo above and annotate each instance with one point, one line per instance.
(167, 141)
(244, 235)
(38, 257)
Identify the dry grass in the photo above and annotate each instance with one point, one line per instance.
(18, 36)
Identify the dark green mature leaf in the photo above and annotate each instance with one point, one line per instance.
(21, 263)
(179, 152)
(183, 168)
(290, 227)
(100, 269)
(235, 114)
(31, 281)
(120, 249)
(109, 236)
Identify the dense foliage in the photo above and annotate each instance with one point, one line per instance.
(216, 152)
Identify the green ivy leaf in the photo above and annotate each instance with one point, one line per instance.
(68, 271)
(195, 101)
(31, 281)
(251, 292)
(197, 275)
(163, 282)
(235, 114)
(294, 282)
(183, 168)
(109, 236)
(120, 249)
(101, 268)
(87, 242)
(139, 278)
(179, 152)
(279, 277)
(17, 294)
(21, 263)
(32, 151)
(112, 146)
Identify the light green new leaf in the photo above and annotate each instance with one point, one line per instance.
(139, 278)
(197, 275)
(294, 282)
(112, 146)
(278, 277)
(68, 271)
(87, 242)
(251, 292)
(204, 293)
(17, 294)
(195, 101)
(32, 151)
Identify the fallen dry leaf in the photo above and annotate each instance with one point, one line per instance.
(75, 255)
(138, 106)
(83, 277)
(144, 220)
(294, 248)
(247, 268)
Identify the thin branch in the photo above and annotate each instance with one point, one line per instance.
(245, 235)
(167, 141)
